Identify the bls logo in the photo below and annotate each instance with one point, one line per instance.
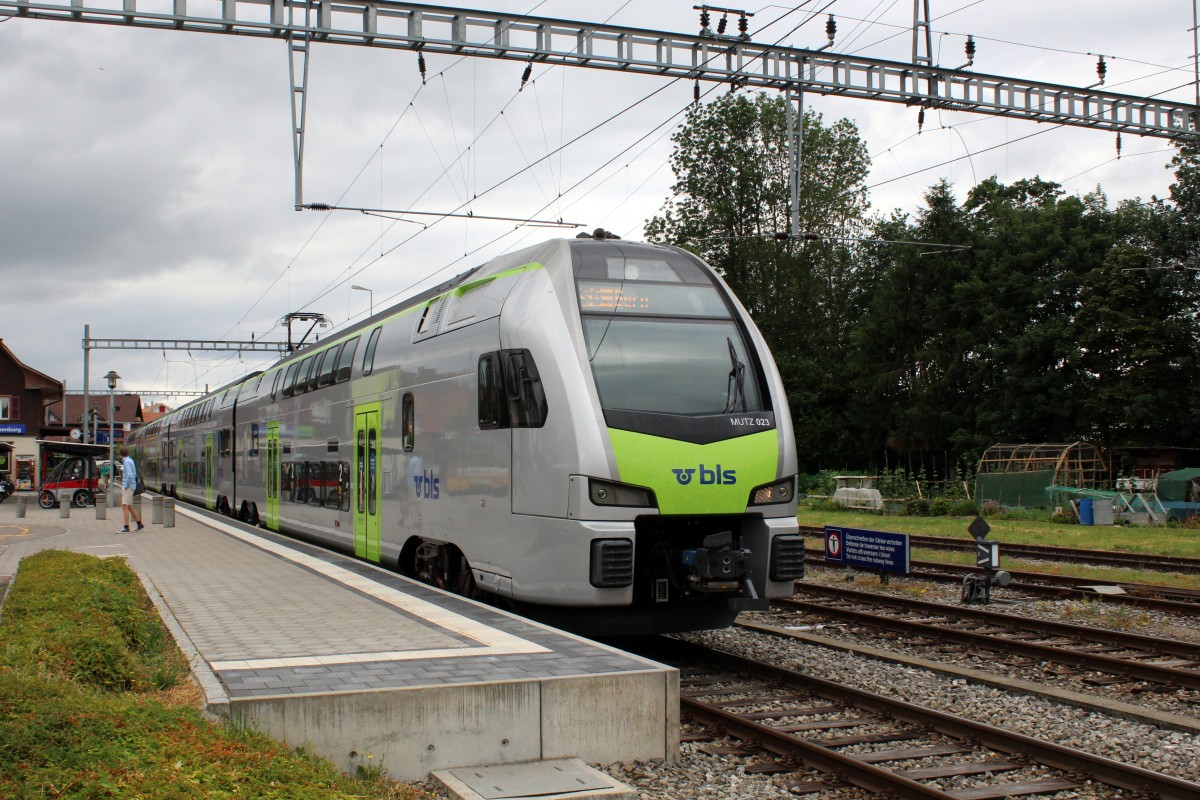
(708, 476)
(426, 485)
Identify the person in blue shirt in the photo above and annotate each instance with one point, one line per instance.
(128, 484)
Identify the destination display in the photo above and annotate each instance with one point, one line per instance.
(634, 297)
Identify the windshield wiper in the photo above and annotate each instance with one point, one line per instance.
(737, 380)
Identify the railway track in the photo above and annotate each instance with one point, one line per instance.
(1099, 656)
(788, 722)
(1058, 587)
(1112, 558)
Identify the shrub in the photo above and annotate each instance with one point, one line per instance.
(917, 507)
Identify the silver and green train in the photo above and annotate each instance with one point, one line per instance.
(592, 431)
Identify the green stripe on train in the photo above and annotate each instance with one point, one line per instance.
(691, 478)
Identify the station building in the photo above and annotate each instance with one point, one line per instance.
(25, 398)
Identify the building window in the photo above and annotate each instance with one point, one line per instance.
(6, 407)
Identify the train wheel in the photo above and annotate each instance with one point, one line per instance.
(253, 517)
(223, 507)
(466, 583)
(81, 499)
(46, 500)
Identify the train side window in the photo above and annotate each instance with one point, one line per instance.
(302, 376)
(491, 393)
(346, 362)
(315, 372)
(289, 380)
(344, 485)
(408, 423)
(253, 440)
(329, 367)
(275, 384)
(225, 442)
(523, 385)
(368, 363)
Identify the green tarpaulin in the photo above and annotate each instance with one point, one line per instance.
(1177, 485)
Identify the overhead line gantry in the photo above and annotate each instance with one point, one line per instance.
(711, 57)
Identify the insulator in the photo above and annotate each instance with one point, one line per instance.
(421, 65)
(831, 28)
(743, 24)
(525, 75)
(920, 120)
(970, 48)
(722, 23)
(704, 20)
(1101, 69)
(1118, 145)
(696, 92)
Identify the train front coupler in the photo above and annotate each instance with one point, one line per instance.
(718, 568)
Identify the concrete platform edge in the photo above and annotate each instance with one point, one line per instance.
(216, 701)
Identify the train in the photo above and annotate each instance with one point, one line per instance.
(590, 431)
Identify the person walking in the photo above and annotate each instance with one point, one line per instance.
(128, 484)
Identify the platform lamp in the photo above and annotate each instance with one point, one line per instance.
(112, 377)
(371, 296)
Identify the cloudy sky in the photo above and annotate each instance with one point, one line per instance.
(146, 177)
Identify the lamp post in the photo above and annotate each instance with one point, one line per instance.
(112, 377)
(371, 296)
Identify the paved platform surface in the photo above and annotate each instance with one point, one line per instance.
(356, 662)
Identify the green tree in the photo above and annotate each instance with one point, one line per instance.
(913, 345)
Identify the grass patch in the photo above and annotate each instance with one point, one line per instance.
(93, 703)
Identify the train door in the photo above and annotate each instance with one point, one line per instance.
(209, 501)
(271, 475)
(366, 481)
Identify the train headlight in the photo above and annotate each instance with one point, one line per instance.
(609, 493)
(778, 492)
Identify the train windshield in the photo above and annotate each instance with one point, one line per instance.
(661, 338)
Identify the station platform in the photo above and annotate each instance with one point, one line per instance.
(361, 665)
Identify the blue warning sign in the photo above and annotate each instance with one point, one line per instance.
(881, 550)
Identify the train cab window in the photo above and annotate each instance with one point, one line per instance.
(289, 380)
(369, 354)
(329, 366)
(491, 393)
(408, 423)
(523, 387)
(346, 362)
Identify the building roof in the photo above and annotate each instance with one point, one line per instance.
(33, 379)
(154, 411)
(126, 408)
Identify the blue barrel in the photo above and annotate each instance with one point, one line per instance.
(1085, 512)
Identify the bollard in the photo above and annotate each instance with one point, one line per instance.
(22, 505)
(64, 509)
(168, 513)
(100, 512)
(137, 502)
(156, 509)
